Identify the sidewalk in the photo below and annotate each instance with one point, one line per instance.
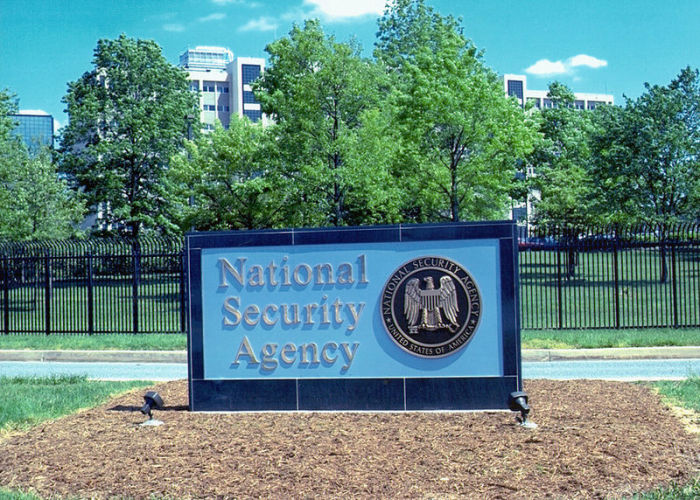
(622, 353)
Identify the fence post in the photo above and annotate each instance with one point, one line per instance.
(183, 305)
(559, 290)
(6, 293)
(135, 258)
(47, 292)
(90, 295)
(616, 243)
(674, 284)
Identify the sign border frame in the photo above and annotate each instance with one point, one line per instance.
(356, 394)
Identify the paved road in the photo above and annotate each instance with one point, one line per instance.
(643, 369)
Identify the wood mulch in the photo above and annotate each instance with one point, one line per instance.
(595, 439)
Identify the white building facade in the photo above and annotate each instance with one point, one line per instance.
(223, 83)
(516, 85)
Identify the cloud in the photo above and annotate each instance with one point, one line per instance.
(32, 112)
(545, 67)
(584, 60)
(175, 27)
(260, 24)
(334, 10)
(216, 16)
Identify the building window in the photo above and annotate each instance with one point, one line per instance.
(222, 89)
(249, 97)
(194, 86)
(249, 73)
(579, 104)
(547, 103)
(536, 101)
(594, 104)
(209, 107)
(207, 87)
(254, 114)
(515, 87)
(224, 108)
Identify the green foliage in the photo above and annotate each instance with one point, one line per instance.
(460, 136)
(233, 179)
(34, 202)
(8, 106)
(28, 401)
(324, 97)
(127, 118)
(560, 162)
(647, 154)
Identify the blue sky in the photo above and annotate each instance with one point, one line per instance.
(606, 46)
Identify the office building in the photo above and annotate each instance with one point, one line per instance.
(223, 83)
(35, 128)
(516, 85)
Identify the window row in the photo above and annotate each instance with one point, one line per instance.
(207, 87)
(212, 107)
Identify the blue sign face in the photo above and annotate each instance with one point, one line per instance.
(394, 317)
(316, 311)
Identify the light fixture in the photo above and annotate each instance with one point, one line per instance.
(518, 402)
(152, 400)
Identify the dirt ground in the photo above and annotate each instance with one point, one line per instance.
(595, 440)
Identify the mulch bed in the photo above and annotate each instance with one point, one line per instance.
(595, 439)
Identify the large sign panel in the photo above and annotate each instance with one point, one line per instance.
(374, 318)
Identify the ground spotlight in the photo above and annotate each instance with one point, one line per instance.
(152, 400)
(518, 402)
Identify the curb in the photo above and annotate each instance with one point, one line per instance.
(529, 355)
(94, 356)
(610, 353)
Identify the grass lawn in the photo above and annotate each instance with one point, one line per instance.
(129, 342)
(578, 339)
(27, 401)
(531, 339)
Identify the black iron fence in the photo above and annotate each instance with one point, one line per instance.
(610, 277)
(92, 286)
(583, 278)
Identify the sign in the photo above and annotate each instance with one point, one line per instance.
(415, 317)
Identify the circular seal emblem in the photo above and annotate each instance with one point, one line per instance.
(431, 306)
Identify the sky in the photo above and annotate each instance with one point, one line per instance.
(599, 46)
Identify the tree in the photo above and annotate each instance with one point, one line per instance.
(232, 179)
(651, 148)
(461, 137)
(321, 94)
(127, 118)
(651, 151)
(560, 162)
(34, 202)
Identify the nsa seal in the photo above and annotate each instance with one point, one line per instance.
(431, 306)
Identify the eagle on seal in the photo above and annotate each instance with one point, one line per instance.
(425, 305)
